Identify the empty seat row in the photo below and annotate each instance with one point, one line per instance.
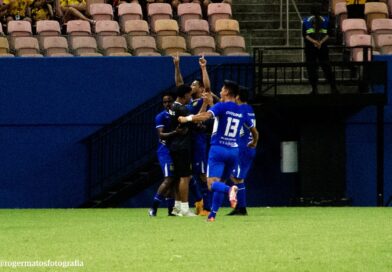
(378, 28)
(121, 46)
(162, 27)
(373, 10)
(157, 11)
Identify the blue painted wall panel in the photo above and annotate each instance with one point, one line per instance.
(48, 105)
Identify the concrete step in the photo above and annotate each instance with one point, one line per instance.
(305, 89)
(267, 24)
(257, 16)
(272, 41)
(273, 33)
(266, 2)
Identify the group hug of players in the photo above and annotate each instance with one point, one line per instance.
(184, 131)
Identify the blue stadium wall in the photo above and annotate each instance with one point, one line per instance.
(48, 105)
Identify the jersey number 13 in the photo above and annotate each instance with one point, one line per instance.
(232, 127)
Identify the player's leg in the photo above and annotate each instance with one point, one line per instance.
(199, 178)
(183, 169)
(239, 174)
(166, 164)
(218, 156)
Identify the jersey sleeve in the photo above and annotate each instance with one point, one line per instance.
(248, 122)
(216, 109)
(159, 121)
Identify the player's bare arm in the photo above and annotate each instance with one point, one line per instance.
(177, 73)
(255, 136)
(200, 117)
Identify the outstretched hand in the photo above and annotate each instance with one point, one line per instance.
(202, 61)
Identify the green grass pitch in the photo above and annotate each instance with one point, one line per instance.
(269, 239)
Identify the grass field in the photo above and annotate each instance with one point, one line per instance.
(275, 239)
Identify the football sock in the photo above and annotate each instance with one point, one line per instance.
(195, 189)
(207, 195)
(184, 206)
(241, 195)
(157, 201)
(177, 205)
(170, 204)
(217, 200)
(219, 187)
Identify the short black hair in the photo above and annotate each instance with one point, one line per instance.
(243, 93)
(171, 94)
(315, 9)
(182, 90)
(232, 86)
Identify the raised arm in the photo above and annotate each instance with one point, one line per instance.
(204, 74)
(177, 73)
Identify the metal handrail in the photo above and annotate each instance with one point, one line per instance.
(288, 19)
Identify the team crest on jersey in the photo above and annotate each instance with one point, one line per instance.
(194, 104)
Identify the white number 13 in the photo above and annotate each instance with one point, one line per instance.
(232, 127)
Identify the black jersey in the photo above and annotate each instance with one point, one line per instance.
(181, 141)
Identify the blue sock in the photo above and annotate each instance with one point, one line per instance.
(219, 187)
(241, 195)
(157, 201)
(195, 189)
(217, 200)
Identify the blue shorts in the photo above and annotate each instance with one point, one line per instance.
(199, 160)
(166, 163)
(222, 161)
(244, 163)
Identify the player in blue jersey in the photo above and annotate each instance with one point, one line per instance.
(224, 149)
(163, 126)
(247, 154)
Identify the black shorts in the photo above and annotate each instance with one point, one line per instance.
(182, 162)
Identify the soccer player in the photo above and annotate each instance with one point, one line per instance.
(180, 148)
(224, 149)
(247, 154)
(199, 142)
(163, 126)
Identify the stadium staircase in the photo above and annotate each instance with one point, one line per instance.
(263, 24)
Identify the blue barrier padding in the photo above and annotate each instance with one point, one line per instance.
(48, 105)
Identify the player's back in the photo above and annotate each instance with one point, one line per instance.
(183, 140)
(228, 122)
(245, 134)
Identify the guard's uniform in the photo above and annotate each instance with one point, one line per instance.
(315, 56)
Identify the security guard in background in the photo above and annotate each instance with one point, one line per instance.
(315, 32)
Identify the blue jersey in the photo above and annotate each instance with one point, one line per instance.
(163, 120)
(245, 134)
(199, 141)
(229, 120)
(195, 105)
